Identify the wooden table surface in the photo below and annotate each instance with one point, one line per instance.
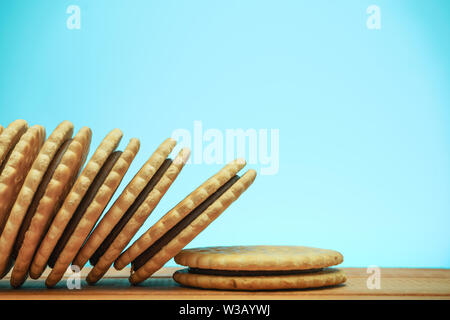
(395, 284)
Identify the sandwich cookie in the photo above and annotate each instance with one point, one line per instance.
(83, 206)
(61, 134)
(58, 179)
(259, 268)
(72, 202)
(19, 146)
(185, 221)
(130, 210)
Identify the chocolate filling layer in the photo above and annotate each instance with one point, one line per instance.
(254, 273)
(180, 226)
(38, 196)
(130, 212)
(84, 204)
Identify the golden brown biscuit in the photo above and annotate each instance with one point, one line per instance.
(73, 200)
(183, 223)
(76, 233)
(259, 258)
(68, 162)
(129, 228)
(323, 278)
(34, 177)
(15, 168)
(259, 267)
(180, 211)
(129, 197)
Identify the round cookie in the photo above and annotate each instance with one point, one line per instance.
(32, 181)
(185, 221)
(262, 258)
(259, 267)
(127, 198)
(72, 201)
(15, 168)
(90, 210)
(181, 210)
(324, 278)
(124, 231)
(50, 194)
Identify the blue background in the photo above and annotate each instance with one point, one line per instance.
(364, 115)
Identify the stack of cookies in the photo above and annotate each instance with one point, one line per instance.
(52, 203)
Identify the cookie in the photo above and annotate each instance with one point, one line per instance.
(131, 196)
(89, 211)
(72, 202)
(323, 278)
(71, 210)
(265, 258)
(259, 267)
(134, 218)
(15, 168)
(54, 187)
(185, 221)
(34, 177)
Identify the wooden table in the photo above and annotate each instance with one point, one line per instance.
(395, 284)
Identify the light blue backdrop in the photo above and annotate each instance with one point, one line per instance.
(363, 115)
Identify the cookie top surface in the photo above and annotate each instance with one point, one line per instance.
(258, 258)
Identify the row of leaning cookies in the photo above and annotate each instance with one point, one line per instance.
(51, 208)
